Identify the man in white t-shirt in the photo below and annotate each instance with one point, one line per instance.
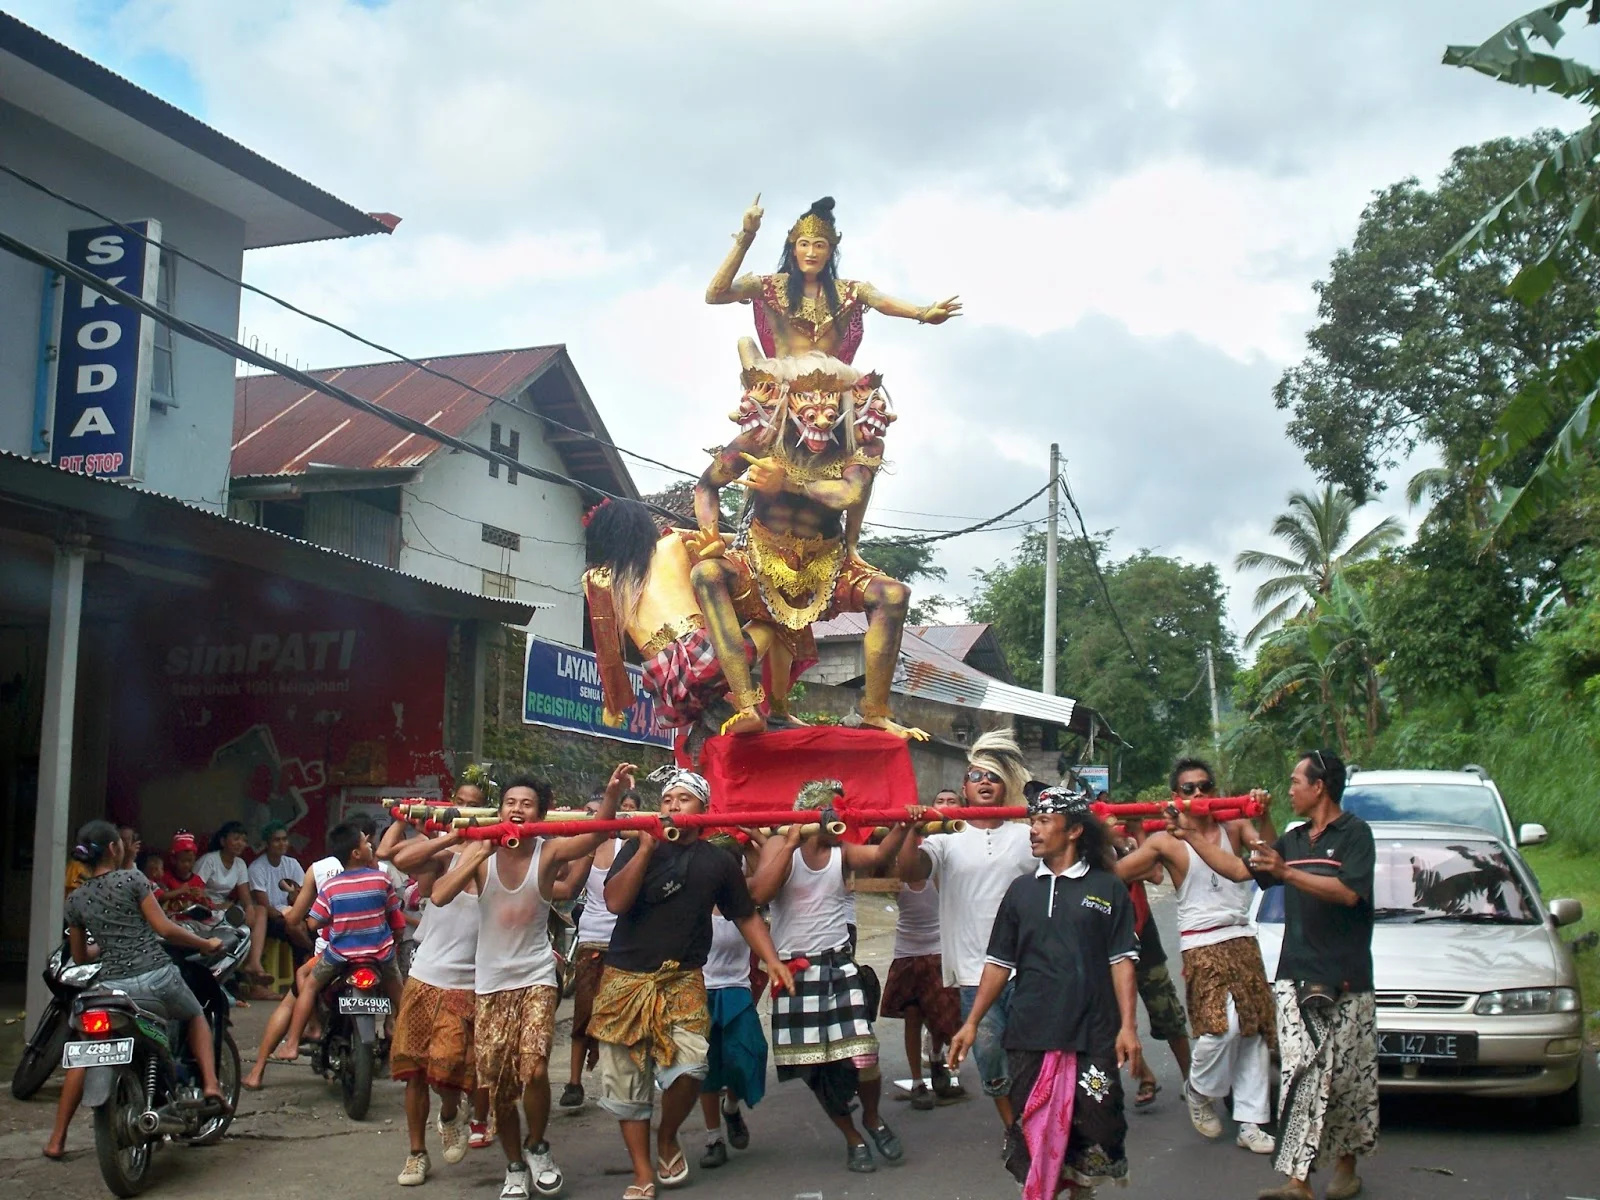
(275, 879)
(972, 870)
(227, 879)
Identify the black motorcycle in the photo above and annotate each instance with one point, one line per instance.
(143, 1082)
(42, 1055)
(351, 1010)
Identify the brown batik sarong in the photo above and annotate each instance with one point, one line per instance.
(433, 1036)
(1231, 968)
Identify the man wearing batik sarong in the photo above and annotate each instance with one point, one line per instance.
(1067, 933)
(1327, 1027)
(823, 1032)
(651, 1015)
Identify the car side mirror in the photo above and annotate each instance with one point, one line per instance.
(1532, 834)
(1566, 912)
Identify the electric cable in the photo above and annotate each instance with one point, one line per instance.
(981, 525)
(1094, 564)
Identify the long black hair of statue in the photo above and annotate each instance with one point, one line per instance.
(828, 277)
(622, 535)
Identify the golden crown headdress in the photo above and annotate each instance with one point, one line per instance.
(817, 222)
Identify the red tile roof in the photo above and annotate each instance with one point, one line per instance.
(279, 426)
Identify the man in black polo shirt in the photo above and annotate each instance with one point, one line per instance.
(1067, 932)
(651, 1015)
(1327, 1021)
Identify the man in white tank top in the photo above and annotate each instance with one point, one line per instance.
(595, 922)
(823, 1032)
(1231, 1010)
(432, 1044)
(514, 972)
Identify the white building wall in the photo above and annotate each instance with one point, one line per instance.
(186, 448)
(442, 517)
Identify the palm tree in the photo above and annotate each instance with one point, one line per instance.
(1315, 527)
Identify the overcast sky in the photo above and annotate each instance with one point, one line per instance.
(1133, 202)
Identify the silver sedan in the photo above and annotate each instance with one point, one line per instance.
(1476, 991)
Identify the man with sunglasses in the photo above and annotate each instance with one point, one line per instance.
(972, 870)
(1230, 1005)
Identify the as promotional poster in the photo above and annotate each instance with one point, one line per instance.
(1098, 778)
(102, 392)
(561, 689)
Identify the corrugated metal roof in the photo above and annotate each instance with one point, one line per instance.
(927, 671)
(952, 639)
(136, 515)
(279, 427)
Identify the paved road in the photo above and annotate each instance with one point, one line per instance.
(293, 1141)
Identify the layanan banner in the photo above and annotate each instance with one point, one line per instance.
(561, 689)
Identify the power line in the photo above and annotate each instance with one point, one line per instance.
(334, 325)
(954, 533)
(1094, 563)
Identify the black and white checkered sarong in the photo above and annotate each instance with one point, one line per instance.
(827, 1019)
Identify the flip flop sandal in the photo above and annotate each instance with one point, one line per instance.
(675, 1178)
(639, 1191)
(1148, 1091)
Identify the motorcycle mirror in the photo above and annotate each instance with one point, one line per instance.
(234, 916)
(197, 912)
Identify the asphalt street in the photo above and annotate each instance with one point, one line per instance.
(293, 1141)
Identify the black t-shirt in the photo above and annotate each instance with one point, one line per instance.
(1060, 934)
(671, 918)
(1328, 943)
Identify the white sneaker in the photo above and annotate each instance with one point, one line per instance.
(415, 1171)
(453, 1134)
(547, 1178)
(516, 1184)
(1255, 1139)
(1202, 1114)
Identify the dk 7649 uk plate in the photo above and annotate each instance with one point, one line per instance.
(373, 1006)
(98, 1054)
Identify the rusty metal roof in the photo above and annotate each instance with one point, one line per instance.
(281, 427)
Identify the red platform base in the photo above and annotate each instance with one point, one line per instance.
(764, 771)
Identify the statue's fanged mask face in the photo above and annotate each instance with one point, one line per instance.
(816, 418)
(755, 407)
(874, 412)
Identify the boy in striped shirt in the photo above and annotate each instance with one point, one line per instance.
(361, 912)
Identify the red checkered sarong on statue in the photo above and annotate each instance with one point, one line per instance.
(685, 679)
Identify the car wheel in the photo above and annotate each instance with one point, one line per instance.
(1564, 1108)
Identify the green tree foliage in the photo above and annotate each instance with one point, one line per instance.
(907, 563)
(1156, 698)
(1413, 349)
(1316, 530)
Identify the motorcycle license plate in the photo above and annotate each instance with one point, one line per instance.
(110, 1053)
(366, 1006)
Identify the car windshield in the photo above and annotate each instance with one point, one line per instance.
(1447, 803)
(1446, 882)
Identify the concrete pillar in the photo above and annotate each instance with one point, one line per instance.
(50, 832)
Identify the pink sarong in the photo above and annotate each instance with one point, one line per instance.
(1046, 1123)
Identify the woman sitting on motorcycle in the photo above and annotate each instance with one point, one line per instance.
(117, 907)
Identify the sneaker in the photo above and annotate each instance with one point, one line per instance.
(922, 1098)
(859, 1159)
(738, 1131)
(716, 1155)
(1202, 1114)
(945, 1085)
(1255, 1139)
(547, 1178)
(887, 1142)
(453, 1135)
(516, 1184)
(479, 1137)
(571, 1096)
(415, 1170)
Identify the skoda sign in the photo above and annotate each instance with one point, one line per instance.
(102, 393)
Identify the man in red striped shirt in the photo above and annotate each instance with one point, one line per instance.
(362, 913)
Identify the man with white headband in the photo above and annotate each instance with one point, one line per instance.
(972, 870)
(1064, 943)
(651, 1015)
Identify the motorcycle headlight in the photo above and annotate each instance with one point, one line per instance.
(1527, 1002)
(80, 975)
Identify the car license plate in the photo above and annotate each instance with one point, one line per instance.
(1406, 1047)
(110, 1053)
(373, 1006)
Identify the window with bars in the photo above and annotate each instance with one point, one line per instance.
(503, 538)
(509, 447)
(500, 584)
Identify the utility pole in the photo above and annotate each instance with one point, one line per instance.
(1216, 719)
(1050, 572)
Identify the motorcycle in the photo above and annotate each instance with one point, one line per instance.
(65, 979)
(563, 928)
(349, 1010)
(142, 1080)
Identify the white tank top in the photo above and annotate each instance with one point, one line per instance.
(597, 921)
(728, 964)
(808, 915)
(513, 932)
(916, 929)
(447, 944)
(1211, 909)
(323, 870)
